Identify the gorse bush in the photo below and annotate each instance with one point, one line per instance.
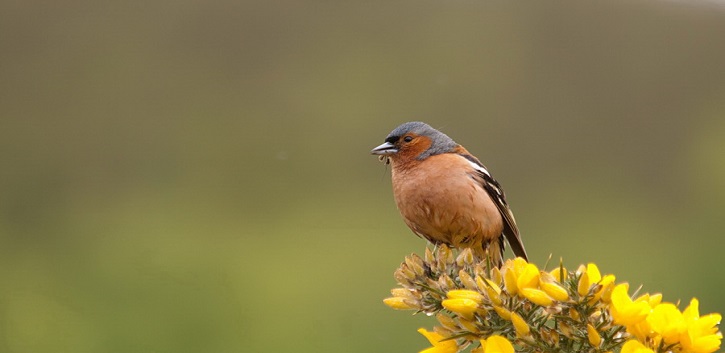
(521, 308)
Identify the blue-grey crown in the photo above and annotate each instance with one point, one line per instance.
(441, 143)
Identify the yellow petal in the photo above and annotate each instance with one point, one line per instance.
(519, 264)
(529, 277)
(465, 294)
(655, 299)
(666, 320)
(502, 312)
(509, 281)
(498, 344)
(521, 327)
(440, 344)
(433, 338)
(706, 344)
(493, 295)
(399, 303)
(462, 306)
(493, 286)
(641, 330)
(537, 296)
(605, 286)
(692, 312)
(709, 320)
(624, 310)
(584, 283)
(702, 334)
(555, 291)
(594, 275)
(634, 346)
(492, 289)
(594, 338)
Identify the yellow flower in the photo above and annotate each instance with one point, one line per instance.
(497, 344)
(564, 311)
(548, 284)
(625, 311)
(537, 296)
(588, 277)
(666, 320)
(584, 283)
(399, 303)
(513, 269)
(634, 346)
(607, 286)
(702, 335)
(529, 277)
(502, 312)
(509, 281)
(594, 338)
(606, 283)
(555, 291)
(465, 294)
(692, 311)
(492, 289)
(461, 306)
(652, 299)
(593, 271)
(440, 344)
(519, 264)
(641, 330)
(521, 327)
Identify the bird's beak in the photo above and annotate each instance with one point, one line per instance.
(385, 149)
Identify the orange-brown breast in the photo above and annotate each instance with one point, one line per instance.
(442, 199)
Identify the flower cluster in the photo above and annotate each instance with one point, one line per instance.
(521, 308)
(652, 323)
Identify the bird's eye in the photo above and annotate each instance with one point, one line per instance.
(408, 138)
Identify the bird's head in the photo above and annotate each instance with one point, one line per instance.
(414, 140)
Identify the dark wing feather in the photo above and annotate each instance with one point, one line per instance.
(494, 190)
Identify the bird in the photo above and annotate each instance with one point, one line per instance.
(446, 195)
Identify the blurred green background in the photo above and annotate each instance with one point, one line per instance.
(194, 176)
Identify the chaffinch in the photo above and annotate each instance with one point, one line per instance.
(446, 195)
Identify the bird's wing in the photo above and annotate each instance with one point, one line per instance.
(494, 190)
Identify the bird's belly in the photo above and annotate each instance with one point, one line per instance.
(458, 213)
